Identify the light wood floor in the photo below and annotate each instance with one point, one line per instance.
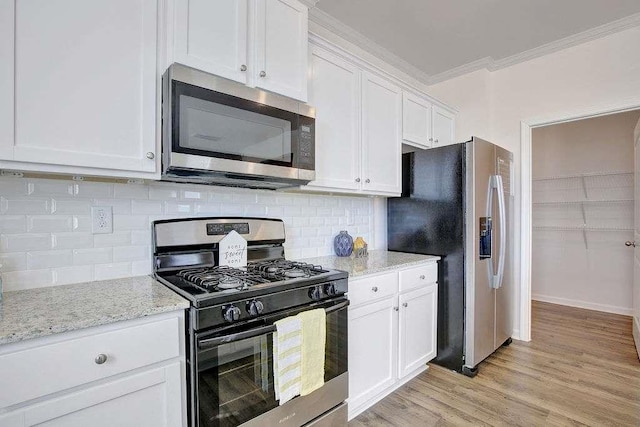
(581, 368)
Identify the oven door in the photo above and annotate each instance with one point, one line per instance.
(234, 375)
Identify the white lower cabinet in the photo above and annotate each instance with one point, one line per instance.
(392, 331)
(125, 374)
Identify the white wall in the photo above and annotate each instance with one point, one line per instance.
(45, 227)
(600, 75)
(596, 274)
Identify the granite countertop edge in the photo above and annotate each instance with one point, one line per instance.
(378, 261)
(38, 312)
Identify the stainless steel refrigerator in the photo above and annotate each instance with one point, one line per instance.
(457, 203)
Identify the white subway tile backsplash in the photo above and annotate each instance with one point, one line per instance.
(43, 221)
(131, 253)
(117, 238)
(13, 261)
(71, 207)
(50, 188)
(146, 207)
(73, 240)
(24, 206)
(49, 223)
(48, 259)
(24, 242)
(26, 279)
(92, 256)
(75, 274)
(112, 271)
(12, 224)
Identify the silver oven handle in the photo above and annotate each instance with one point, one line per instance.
(214, 342)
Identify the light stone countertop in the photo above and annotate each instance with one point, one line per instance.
(376, 262)
(40, 312)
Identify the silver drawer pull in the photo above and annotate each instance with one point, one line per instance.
(395, 308)
(422, 277)
(405, 304)
(101, 358)
(374, 289)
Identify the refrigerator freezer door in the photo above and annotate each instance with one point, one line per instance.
(481, 301)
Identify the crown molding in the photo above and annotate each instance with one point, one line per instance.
(309, 3)
(340, 29)
(491, 64)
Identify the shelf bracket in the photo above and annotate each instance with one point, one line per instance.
(584, 215)
(584, 236)
(584, 188)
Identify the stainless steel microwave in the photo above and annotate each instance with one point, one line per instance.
(217, 131)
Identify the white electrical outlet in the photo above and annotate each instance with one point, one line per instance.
(101, 219)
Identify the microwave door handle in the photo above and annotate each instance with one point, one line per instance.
(214, 342)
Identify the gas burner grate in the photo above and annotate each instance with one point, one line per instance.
(221, 278)
(282, 269)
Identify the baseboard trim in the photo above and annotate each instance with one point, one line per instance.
(636, 334)
(584, 304)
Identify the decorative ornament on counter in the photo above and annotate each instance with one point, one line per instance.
(343, 244)
(360, 248)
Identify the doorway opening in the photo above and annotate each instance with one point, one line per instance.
(582, 214)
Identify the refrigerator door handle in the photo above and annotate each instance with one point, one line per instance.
(495, 184)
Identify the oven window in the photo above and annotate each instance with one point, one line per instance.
(212, 124)
(235, 380)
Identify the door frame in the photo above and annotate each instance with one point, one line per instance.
(526, 151)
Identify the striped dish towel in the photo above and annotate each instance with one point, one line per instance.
(314, 336)
(287, 351)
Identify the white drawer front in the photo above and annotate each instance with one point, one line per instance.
(366, 289)
(416, 277)
(43, 370)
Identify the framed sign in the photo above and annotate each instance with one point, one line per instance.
(233, 250)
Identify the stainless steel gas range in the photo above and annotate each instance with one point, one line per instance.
(231, 322)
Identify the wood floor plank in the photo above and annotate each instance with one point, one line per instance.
(580, 369)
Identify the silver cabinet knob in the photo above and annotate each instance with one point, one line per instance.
(367, 180)
(430, 139)
(404, 304)
(435, 141)
(422, 277)
(374, 289)
(101, 358)
(357, 179)
(628, 243)
(396, 308)
(150, 155)
(243, 67)
(263, 74)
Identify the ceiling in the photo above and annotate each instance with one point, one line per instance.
(439, 37)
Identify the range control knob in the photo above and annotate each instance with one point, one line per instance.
(330, 289)
(231, 313)
(255, 307)
(315, 293)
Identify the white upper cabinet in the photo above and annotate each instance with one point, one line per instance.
(334, 90)
(261, 43)
(416, 120)
(212, 36)
(84, 89)
(381, 135)
(281, 43)
(444, 125)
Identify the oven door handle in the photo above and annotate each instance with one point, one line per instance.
(214, 342)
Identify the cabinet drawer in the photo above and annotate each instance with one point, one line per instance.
(416, 277)
(372, 288)
(57, 366)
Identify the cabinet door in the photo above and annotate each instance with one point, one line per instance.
(7, 57)
(212, 36)
(334, 91)
(281, 41)
(443, 127)
(381, 135)
(416, 120)
(373, 343)
(85, 83)
(152, 398)
(418, 317)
